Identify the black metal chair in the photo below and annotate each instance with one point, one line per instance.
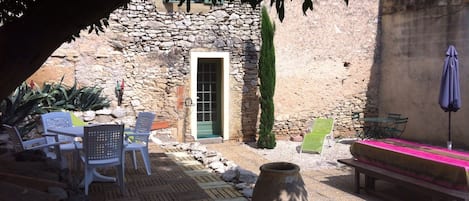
(394, 115)
(357, 125)
(397, 128)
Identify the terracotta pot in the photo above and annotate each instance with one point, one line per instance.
(280, 181)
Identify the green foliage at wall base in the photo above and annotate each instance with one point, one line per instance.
(27, 101)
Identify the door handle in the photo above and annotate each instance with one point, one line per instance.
(188, 102)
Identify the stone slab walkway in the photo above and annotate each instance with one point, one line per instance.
(176, 176)
(211, 183)
(168, 182)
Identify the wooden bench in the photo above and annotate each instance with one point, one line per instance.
(372, 173)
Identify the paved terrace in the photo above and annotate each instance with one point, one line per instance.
(176, 176)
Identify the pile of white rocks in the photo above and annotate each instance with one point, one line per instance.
(243, 180)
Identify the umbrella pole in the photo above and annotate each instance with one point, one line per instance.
(449, 144)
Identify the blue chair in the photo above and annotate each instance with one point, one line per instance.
(137, 139)
(59, 120)
(34, 144)
(103, 146)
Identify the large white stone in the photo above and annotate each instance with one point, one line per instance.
(216, 165)
(135, 103)
(118, 112)
(247, 192)
(229, 175)
(234, 16)
(210, 159)
(104, 111)
(247, 176)
(89, 115)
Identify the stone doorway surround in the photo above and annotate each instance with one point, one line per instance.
(225, 56)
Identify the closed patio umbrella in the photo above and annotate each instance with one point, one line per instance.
(450, 97)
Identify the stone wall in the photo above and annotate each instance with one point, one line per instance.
(324, 62)
(371, 56)
(150, 49)
(415, 40)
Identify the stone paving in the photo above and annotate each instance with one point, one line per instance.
(216, 188)
(176, 176)
(168, 182)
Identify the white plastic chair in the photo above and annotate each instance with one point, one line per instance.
(103, 146)
(34, 144)
(140, 136)
(59, 120)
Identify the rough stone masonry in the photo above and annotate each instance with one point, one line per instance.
(323, 63)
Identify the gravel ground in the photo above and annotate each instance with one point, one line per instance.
(289, 151)
(285, 151)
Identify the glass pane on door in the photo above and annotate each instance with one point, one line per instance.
(207, 98)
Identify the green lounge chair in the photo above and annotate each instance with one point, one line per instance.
(313, 142)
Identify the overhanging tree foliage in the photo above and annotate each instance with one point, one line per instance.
(31, 30)
(267, 85)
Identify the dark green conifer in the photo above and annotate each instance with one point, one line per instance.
(267, 83)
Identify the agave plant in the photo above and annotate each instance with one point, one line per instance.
(90, 98)
(59, 97)
(22, 103)
(27, 101)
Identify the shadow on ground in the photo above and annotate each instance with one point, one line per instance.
(383, 189)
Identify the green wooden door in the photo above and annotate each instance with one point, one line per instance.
(208, 98)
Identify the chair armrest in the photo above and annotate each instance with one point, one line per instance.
(58, 139)
(31, 142)
(44, 145)
(137, 134)
(131, 137)
(127, 135)
(49, 134)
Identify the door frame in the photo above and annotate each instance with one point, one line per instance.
(225, 64)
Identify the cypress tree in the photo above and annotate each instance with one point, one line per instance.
(267, 83)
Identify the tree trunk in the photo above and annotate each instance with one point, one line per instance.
(25, 44)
